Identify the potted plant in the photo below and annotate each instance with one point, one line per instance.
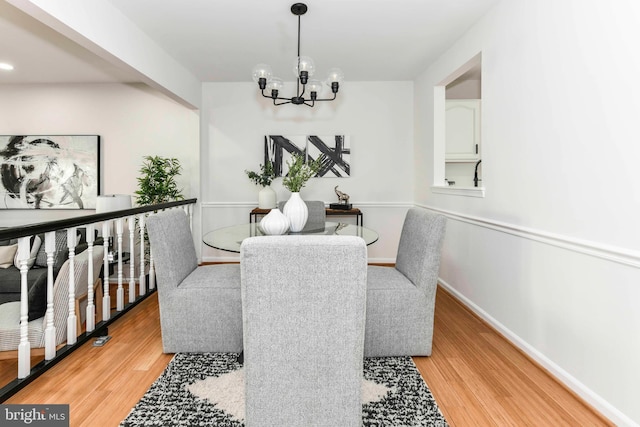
(158, 181)
(266, 196)
(157, 184)
(299, 173)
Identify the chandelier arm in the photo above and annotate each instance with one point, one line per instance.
(335, 95)
(281, 103)
(277, 97)
(304, 88)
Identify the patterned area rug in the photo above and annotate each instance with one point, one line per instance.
(208, 390)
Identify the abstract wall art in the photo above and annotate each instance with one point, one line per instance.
(49, 172)
(335, 153)
(334, 150)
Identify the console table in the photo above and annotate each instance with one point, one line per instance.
(253, 215)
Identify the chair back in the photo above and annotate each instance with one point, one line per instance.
(172, 247)
(303, 309)
(317, 213)
(420, 247)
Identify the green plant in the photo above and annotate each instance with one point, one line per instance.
(158, 181)
(300, 172)
(265, 177)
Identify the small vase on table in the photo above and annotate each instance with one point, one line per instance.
(267, 198)
(274, 223)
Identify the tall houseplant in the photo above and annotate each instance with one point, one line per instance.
(266, 196)
(299, 173)
(157, 183)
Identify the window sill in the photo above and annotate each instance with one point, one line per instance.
(458, 191)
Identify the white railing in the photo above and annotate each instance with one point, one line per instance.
(111, 224)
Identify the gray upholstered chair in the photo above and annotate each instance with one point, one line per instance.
(303, 300)
(317, 214)
(401, 300)
(200, 307)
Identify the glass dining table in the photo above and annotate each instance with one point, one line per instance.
(230, 238)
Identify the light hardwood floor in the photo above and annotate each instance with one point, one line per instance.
(477, 377)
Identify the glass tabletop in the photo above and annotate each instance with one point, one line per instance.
(230, 238)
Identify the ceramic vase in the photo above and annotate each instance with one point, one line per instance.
(267, 198)
(296, 210)
(274, 223)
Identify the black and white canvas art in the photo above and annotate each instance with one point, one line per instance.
(49, 172)
(335, 153)
(279, 149)
(334, 150)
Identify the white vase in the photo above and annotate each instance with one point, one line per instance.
(296, 210)
(274, 223)
(267, 198)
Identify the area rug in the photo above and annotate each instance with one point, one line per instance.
(207, 389)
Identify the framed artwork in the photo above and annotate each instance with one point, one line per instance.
(49, 171)
(334, 150)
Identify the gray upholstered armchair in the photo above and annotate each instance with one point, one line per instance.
(401, 300)
(303, 301)
(200, 308)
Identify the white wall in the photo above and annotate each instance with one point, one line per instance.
(551, 255)
(133, 121)
(376, 116)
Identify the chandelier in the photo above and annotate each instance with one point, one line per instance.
(303, 69)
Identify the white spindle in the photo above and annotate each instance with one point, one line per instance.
(132, 266)
(120, 291)
(50, 329)
(106, 299)
(24, 348)
(91, 308)
(72, 333)
(142, 281)
(152, 271)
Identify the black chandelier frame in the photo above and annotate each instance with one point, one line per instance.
(298, 9)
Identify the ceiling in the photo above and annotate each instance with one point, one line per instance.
(221, 40)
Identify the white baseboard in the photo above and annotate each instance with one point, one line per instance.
(596, 401)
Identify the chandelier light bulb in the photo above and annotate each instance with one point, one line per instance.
(304, 63)
(275, 84)
(261, 71)
(315, 86)
(335, 76)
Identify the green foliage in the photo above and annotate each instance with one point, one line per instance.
(265, 177)
(157, 183)
(300, 172)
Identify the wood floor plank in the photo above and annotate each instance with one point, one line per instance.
(476, 376)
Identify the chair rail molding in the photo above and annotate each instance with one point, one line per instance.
(598, 250)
